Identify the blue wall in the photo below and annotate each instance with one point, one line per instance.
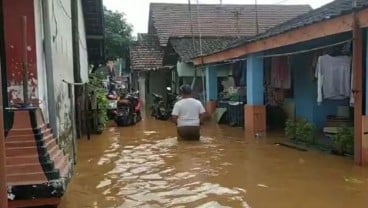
(254, 77)
(211, 83)
(305, 94)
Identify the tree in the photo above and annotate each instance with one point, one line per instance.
(118, 34)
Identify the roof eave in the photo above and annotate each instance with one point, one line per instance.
(324, 28)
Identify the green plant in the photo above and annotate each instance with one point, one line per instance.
(301, 130)
(308, 133)
(96, 87)
(290, 129)
(343, 141)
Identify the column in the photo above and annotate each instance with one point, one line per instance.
(364, 122)
(211, 89)
(255, 111)
(142, 89)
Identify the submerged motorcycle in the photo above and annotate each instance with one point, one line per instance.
(128, 110)
(161, 109)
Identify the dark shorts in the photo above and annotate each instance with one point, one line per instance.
(188, 132)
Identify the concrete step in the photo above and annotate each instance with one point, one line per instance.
(29, 150)
(27, 131)
(29, 143)
(29, 137)
(34, 158)
(29, 168)
(32, 178)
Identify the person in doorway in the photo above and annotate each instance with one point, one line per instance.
(187, 114)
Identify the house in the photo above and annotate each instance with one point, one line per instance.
(146, 61)
(41, 59)
(336, 30)
(200, 28)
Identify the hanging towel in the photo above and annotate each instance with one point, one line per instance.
(333, 77)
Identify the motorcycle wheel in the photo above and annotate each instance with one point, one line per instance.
(135, 119)
(139, 117)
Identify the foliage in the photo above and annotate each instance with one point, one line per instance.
(343, 141)
(96, 87)
(301, 130)
(290, 129)
(118, 34)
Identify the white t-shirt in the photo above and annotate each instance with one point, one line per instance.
(188, 110)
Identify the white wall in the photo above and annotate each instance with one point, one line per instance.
(41, 64)
(83, 53)
(62, 67)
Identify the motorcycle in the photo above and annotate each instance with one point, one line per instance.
(112, 87)
(160, 109)
(128, 110)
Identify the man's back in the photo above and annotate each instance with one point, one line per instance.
(188, 111)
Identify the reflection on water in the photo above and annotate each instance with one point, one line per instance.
(145, 166)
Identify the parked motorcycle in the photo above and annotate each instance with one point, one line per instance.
(113, 87)
(128, 110)
(161, 109)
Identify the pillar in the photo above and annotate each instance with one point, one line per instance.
(142, 88)
(364, 121)
(211, 89)
(255, 111)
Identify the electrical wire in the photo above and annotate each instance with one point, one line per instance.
(191, 24)
(199, 29)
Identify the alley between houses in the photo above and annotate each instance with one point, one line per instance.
(145, 166)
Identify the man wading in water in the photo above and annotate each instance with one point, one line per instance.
(187, 114)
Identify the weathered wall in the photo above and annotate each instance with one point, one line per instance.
(62, 52)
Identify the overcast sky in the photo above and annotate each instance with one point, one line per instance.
(137, 10)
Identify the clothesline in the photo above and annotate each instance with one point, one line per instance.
(284, 54)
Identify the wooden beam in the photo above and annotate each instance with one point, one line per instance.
(318, 30)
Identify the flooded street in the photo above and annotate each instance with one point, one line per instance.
(145, 166)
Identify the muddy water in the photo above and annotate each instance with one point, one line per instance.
(145, 166)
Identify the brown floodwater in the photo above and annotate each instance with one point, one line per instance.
(145, 166)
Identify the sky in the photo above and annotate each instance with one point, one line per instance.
(136, 11)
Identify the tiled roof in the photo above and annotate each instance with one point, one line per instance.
(146, 53)
(187, 49)
(329, 11)
(174, 20)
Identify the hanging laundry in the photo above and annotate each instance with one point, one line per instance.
(333, 77)
(280, 73)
